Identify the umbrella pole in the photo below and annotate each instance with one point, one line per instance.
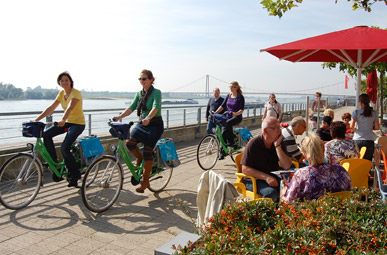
(358, 89)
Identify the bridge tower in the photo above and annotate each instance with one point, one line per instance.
(207, 86)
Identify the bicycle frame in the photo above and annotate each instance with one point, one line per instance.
(123, 153)
(218, 133)
(42, 150)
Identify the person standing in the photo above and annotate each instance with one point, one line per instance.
(317, 104)
(213, 105)
(72, 122)
(367, 121)
(273, 108)
(147, 102)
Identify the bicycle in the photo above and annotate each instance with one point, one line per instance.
(21, 175)
(210, 146)
(103, 179)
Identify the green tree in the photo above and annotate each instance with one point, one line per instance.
(279, 7)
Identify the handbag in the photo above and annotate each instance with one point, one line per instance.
(119, 130)
(33, 129)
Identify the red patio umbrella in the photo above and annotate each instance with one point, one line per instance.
(358, 46)
(372, 85)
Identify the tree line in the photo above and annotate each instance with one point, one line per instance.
(10, 92)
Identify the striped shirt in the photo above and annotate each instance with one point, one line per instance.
(289, 145)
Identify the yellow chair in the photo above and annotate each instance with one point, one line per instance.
(340, 194)
(358, 169)
(240, 186)
(362, 151)
(385, 168)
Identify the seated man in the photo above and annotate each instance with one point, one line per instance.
(289, 146)
(324, 131)
(261, 157)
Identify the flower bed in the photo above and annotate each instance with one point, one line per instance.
(326, 226)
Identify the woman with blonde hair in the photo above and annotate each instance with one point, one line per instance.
(329, 112)
(311, 182)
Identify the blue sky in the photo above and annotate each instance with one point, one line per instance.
(105, 44)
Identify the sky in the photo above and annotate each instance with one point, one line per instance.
(105, 44)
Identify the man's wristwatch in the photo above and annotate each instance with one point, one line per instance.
(148, 118)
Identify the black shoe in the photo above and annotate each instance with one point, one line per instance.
(221, 157)
(73, 182)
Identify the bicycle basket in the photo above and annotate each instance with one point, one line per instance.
(33, 129)
(119, 130)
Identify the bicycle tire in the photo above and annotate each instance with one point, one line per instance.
(17, 191)
(102, 184)
(208, 152)
(160, 180)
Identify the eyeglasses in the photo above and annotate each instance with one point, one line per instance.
(142, 79)
(233, 87)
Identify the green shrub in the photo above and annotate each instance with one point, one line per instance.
(325, 226)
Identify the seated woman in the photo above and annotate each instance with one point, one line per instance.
(340, 148)
(235, 104)
(346, 119)
(313, 181)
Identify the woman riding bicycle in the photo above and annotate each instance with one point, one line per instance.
(148, 105)
(234, 105)
(72, 122)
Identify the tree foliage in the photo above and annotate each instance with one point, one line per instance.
(279, 7)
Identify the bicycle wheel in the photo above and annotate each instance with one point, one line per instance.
(102, 184)
(20, 180)
(160, 179)
(208, 152)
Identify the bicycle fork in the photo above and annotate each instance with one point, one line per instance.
(104, 183)
(25, 172)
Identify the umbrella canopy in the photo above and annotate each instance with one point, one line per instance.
(358, 46)
(372, 85)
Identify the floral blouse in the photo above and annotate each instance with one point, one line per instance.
(337, 150)
(312, 182)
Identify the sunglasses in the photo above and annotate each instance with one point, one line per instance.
(142, 79)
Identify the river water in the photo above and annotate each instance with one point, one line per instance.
(10, 126)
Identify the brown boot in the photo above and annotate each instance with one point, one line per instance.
(147, 168)
(136, 152)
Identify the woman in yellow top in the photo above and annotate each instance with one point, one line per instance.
(72, 122)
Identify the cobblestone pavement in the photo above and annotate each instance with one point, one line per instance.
(57, 222)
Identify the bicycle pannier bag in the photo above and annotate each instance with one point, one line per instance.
(167, 153)
(119, 130)
(33, 129)
(91, 146)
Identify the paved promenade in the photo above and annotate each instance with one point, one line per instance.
(57, 222)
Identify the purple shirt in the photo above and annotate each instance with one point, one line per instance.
(312, 182)
(234, 105)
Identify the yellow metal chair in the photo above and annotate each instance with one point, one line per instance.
(341, 194)
(358, 169)
(362, 151)
(240, 186)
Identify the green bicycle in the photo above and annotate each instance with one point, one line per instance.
(21, 175)
(210, 146)
(103, 179)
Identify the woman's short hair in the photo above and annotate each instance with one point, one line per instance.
(328, 112)
(346, 115)
(338, 129)
(312, 148)
(68, 76)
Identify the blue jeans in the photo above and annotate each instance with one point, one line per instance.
(264, 189)
(210, 126)
(73, 131)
